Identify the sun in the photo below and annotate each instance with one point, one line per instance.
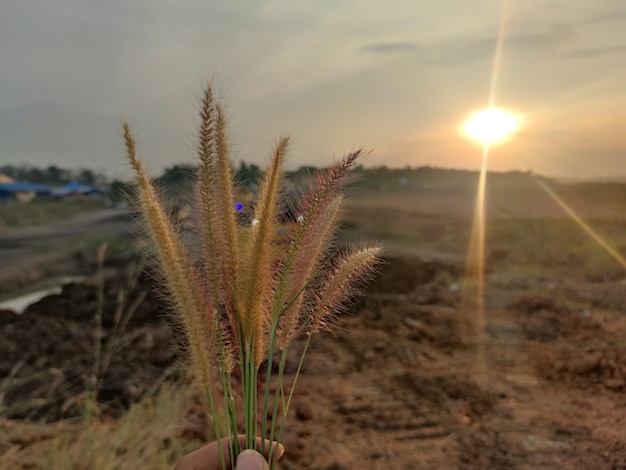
(491, 125)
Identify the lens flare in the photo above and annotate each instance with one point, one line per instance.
(595, 236)
(491, 125)
(473, 294)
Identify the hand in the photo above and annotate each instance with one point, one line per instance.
(208, 457)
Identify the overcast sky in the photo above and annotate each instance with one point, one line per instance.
(396, 76)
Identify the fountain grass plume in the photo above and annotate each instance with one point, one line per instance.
(254, 287)
(187, 297)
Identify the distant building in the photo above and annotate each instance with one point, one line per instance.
(22, 192)
(74, 188)
(5, 179)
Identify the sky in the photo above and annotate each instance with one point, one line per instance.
(397, 77)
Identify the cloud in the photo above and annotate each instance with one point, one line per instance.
(463, 50)
(606, 18)
(389, 47)
(595, 52)
(471, 49)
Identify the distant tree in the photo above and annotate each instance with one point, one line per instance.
(53, 175)
(10, 171)
(57, 176)
(87, 177)
(37, 175)
(177, 175)
(120, 191)
(248, 175)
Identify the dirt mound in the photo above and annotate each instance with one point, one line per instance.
(47, 354)
(544, 319)
(400, 275)
(533, 303)
(570, 347)
(601, 364)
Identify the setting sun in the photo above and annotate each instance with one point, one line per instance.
(490, 125)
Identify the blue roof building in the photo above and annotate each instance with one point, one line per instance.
(74, 187)
(22, 191)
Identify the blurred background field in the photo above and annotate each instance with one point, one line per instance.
(89, 376)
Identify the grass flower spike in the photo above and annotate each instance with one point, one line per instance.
(247, 287)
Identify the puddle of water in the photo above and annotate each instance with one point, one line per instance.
(21, 303)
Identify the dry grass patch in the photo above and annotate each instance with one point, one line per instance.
(148, 436)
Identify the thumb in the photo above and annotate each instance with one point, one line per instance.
(251, 460)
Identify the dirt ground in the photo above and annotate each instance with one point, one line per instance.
(33, 254)
(404, 389)
(411, 379)
(398, 385)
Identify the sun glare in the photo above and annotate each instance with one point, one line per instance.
(490, 125)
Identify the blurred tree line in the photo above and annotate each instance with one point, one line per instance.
(175, 180)
(53, 175)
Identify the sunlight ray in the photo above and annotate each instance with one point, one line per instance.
(497, 59)
(474, 289)
(595, 236)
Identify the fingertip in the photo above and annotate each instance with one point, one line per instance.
(250, 459)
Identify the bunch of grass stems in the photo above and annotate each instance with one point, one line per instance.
(251, 286)
(104, 351)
